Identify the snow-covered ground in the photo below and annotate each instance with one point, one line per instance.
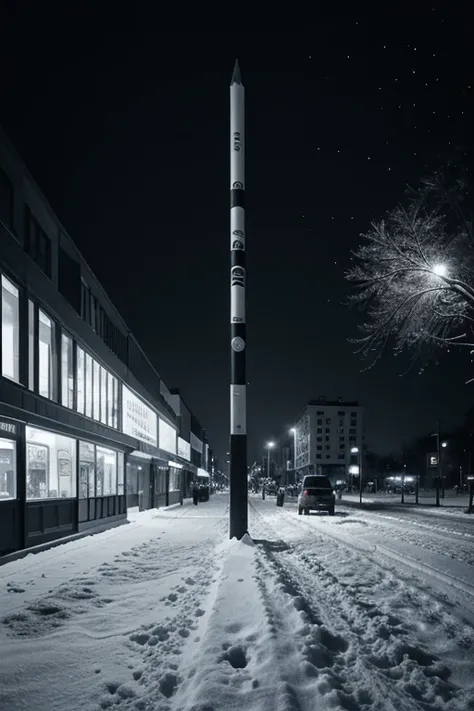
(363, 610)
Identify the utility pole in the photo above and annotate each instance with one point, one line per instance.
(438, 480)
(238, 523)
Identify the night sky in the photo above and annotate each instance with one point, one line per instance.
(127, 134)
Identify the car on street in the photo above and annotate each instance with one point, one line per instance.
(317, 494)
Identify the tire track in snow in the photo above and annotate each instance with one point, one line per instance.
(396, 671)
(456, 590)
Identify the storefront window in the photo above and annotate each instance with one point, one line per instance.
(31, 345)
(175, 479)
(106, 472)
(10, 330)
(81, 379)
(50, 465)
(96, 399)
(88, 386)
(86, 470)
(103, 395)
(120, 474)
(67, 371)
(7, 469)
(45, 340)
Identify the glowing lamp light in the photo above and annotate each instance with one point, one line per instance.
(440, 270)
(270, 444)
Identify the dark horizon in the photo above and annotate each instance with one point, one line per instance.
(130, 148)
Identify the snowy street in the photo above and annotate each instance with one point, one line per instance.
(363, 610)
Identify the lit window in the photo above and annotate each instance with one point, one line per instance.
(81, 379)
(88, 385)
(10, 330)
(106, 472)
(7, 469)
(96, 399)
(116, 387)
(50, 465)
(110, 399)
(103, 395)
(86, 470)
(31, 345)
(120, 474)
(67, 372)
(45, 355)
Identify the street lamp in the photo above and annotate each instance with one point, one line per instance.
(440, 473)
(440, 269)
(270, 446)
(356, 450)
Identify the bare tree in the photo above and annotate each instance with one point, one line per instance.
(414, 272)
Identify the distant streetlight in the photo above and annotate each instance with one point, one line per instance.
(356, 450)
(270, 446)
(293, 432)
(440, 269)
(444, 444)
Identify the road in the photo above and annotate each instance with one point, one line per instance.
(363, 610)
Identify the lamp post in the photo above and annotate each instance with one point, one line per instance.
(356, 450)
(270, 446)
(439, 445)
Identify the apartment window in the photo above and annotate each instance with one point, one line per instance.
(328, 456)
(341, 413)
(320, 412)
(353, 414)
(45, 355)
(341, 424)
(6, 200)
(341, 456)
(319, 422)
(37, 243)
(341, 439)
(326, 438)
(352, 432)
(319, 430)
(10, 330)
(319, 447)
(31, 345)
(342, 446)
(328, 447)
(67, 371)
(352, 438)
(81, 380)
(319, 439)
(328, 420)
(318, 456)
(328, 430)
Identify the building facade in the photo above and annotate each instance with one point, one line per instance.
(87, 426)
(325, 433)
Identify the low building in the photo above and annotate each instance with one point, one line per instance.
(83, 412)
(325, 433)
